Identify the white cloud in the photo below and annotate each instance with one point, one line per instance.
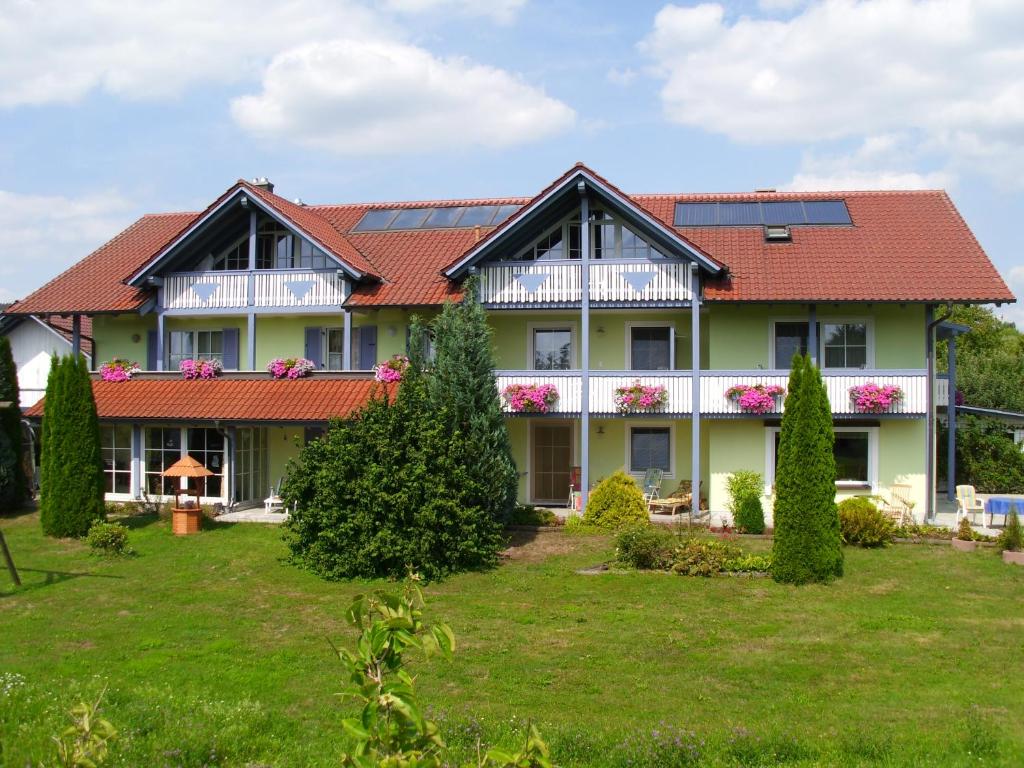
(357, 96)
(951, 70)
(46, 234)
(53, 53)
(1014, 313)
(624, 76)
(780, 5)
(501, 11)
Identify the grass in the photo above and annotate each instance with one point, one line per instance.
(213, 651)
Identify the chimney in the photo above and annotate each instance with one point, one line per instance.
(263, 183)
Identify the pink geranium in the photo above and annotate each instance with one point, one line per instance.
(639, 397)
(755, 398)
(873, 398)
(118, 370)
(290, 367)
(391, 371)
(530, 398)
(200, 369)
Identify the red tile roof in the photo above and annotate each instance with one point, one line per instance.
(903, 246)
(233, 400)
(62, 325)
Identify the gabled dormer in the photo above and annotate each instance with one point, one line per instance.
(536, 258)
(252, 251)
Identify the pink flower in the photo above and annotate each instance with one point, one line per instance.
(873, 398)
(290, 367)
(118, 370)
(637, 396)
(755, 398)
(530, 398)
(391, 370)
(200, 369)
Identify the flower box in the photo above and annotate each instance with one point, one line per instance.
(391, 370)
(290, 367)
(530, 398)
(118, 370)
(875, 398)
(637, 398)
(200, 369)
(756, 398)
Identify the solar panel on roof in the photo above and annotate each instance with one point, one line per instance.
(827, 212)
(375, 220)
(444, 217)
(696, 214)
(781, 212)
(383, 219)
(504, 212)
(410, 218)
(738, 214)
(478, 216)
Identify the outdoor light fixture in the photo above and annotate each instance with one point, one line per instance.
(600, 429)
(244, 201)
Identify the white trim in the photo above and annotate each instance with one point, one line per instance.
(872, 482)
(670, 324)
(60, 336)
(574, 347)
(671, 426)
(868, 323)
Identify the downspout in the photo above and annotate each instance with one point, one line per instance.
(929, 352)
(584, 345)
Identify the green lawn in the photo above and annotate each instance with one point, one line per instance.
(214, 652)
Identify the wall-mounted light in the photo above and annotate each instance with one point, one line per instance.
(392, 330)
(600, 429)
(600, 330)
(136, 338)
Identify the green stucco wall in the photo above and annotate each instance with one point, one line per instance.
(282, 444)
(112, 337)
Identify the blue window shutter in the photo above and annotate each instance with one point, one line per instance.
(315, 346)
(151, 350)
(367, 346)
(230, 349)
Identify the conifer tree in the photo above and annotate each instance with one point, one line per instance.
(806, 546)
(71, 486)
(10, 424)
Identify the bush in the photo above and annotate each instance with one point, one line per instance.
(749, 518)
(1012, 538)
(987, 457)
(108, 539)
(616, 503)
(862, 524)
(15, 482)
(742, 485)
(964, 532)
(10, 497)
(647, 547)
(527, 514)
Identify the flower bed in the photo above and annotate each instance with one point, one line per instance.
(530, 398)
(200, 369)
(290, 367)
(874, 398)
(391, 370)
(756, 398)
(118, 370)
(638, 397)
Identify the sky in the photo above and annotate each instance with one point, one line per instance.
(113, 108)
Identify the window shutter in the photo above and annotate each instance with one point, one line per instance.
(367, 347)
(151, 344)
(230, 341)
(315, 346)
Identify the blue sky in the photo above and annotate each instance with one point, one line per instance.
(107, 112)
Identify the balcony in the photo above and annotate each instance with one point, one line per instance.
(713, 385)
(264, 289)
(559, 283)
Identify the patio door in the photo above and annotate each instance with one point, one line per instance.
(551, 461)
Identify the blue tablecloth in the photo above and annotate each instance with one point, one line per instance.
(998, 505)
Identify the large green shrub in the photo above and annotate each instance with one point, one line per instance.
(72, 486)
(10, 425)
(861, 523)
(388, 490)
(648, 547)
(749, 517)
(745, 488)
(807, 546)
(9, 498)
(615, 503)
(987, 457)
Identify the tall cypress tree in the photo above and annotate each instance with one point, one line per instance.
(10, 421)
(71, 488)
(462, 384)
(806, 545)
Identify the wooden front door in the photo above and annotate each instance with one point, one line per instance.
(551, 462)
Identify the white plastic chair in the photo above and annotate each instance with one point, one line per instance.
(967, 503)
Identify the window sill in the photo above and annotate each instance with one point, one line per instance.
(850, 485)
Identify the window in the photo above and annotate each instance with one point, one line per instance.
(116, 442)
(273, 247)
(650, 348)
(309, 256)
(552, 349)
(207, 447)
(790, 339)
(609, 239)
(845, 345)
(855, 452)
(335, 349)
(235, 257)
(194, 345)
(250, 475)
(163, 448)
(650, 447)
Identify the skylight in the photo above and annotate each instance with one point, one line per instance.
(394, 219)
(754, 214)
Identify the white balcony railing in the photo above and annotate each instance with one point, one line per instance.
(713, 386)
(534, 283)
(267, 288)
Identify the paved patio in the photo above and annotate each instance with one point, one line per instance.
(253, 515)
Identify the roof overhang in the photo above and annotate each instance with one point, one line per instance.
(1009, 417)
(209, 217)
(569, 186)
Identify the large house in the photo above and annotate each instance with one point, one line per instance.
(588, 289)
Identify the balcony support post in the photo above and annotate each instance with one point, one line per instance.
(929, 422)
(346, 343)
(160, 333)
(137, 458)
(951, 421)
(584, 345)
(251, 277)
(250, 339)
(695, 384)
(76, 335)
(812, 334)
